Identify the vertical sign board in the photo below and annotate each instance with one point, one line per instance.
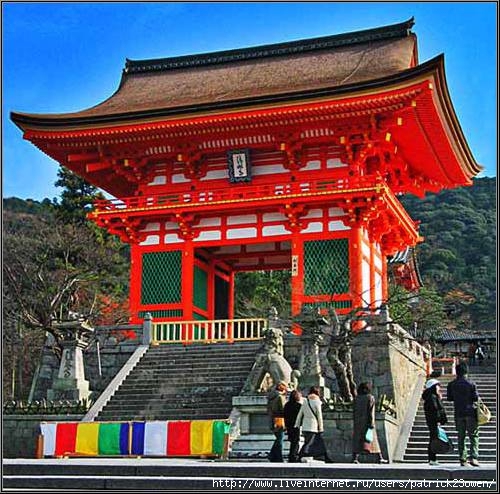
(239, 166)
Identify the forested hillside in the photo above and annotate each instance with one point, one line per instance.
(458, 255)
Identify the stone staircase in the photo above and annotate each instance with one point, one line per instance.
(416, 449)
(177, 382)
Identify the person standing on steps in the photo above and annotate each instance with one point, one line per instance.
(310, 417)
(434, 414)
(463, 394)
(292, 408)
(364, 422)
(275, 409)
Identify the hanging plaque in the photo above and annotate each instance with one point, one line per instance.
(239, 166)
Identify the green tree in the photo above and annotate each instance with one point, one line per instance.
(77, 196)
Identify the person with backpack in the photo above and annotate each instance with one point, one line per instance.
(463, 394)
(275, 408)
(434, 415)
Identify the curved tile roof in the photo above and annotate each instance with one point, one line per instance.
(269, 70)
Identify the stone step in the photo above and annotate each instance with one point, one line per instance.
(200, 350)
(192, 381)
(161, 405)
(202, 366)
(191, 373)
(161, 474)
(187, 414)
(165, 390)
(183, 360)
(451, 422)
(173, 396)
(149, 387)
(212, 356)
(484, 449)
(418, 435)
(453, 457)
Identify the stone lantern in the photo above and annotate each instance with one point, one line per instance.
(70, 383)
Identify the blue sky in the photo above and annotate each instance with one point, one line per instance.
(61, 57)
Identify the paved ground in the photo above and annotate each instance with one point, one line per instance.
(79, 474)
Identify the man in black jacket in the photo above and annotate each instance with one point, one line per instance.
(291, 410)
(464, 395)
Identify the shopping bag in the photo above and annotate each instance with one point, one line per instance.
(368, 441)
(442, 443)
(369, 435)
(483, 413)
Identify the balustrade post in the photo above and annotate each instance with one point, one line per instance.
(147, 329)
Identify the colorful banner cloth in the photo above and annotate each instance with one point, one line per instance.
(87, 437)
(155, 438)
(179, 434)
(48, 431)
(65, 438)
(152, 438)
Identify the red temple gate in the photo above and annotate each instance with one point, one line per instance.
(287, 156)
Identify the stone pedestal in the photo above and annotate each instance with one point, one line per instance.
(70, 383)
(255, 437)
(310, 366)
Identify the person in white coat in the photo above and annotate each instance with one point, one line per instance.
(310, 418)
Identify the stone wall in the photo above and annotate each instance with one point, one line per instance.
(392, 361)
(114, 349)
(338, 435)
(20, 433)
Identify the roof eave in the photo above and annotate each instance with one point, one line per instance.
(56, 122)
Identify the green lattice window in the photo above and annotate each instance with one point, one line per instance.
(326, 267)
(200, 289)
(161, 277)
(157, 314)
(337, 304)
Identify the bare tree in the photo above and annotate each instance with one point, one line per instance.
(51, 269)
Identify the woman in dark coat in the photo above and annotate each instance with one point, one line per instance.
(364, 419)
(434, 414)
(291, 410)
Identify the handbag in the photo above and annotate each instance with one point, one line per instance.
(279, 422)
(442, 444)
(483, 413)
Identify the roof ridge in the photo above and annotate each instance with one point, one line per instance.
(399, 30)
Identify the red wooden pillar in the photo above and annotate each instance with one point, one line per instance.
(188, 285)
(211, 289)
(356, 270)
(230, 301)
(135, 282)
(297, 282)
(385, 288)
(373, 291)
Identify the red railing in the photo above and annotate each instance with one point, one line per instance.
(247, 193)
